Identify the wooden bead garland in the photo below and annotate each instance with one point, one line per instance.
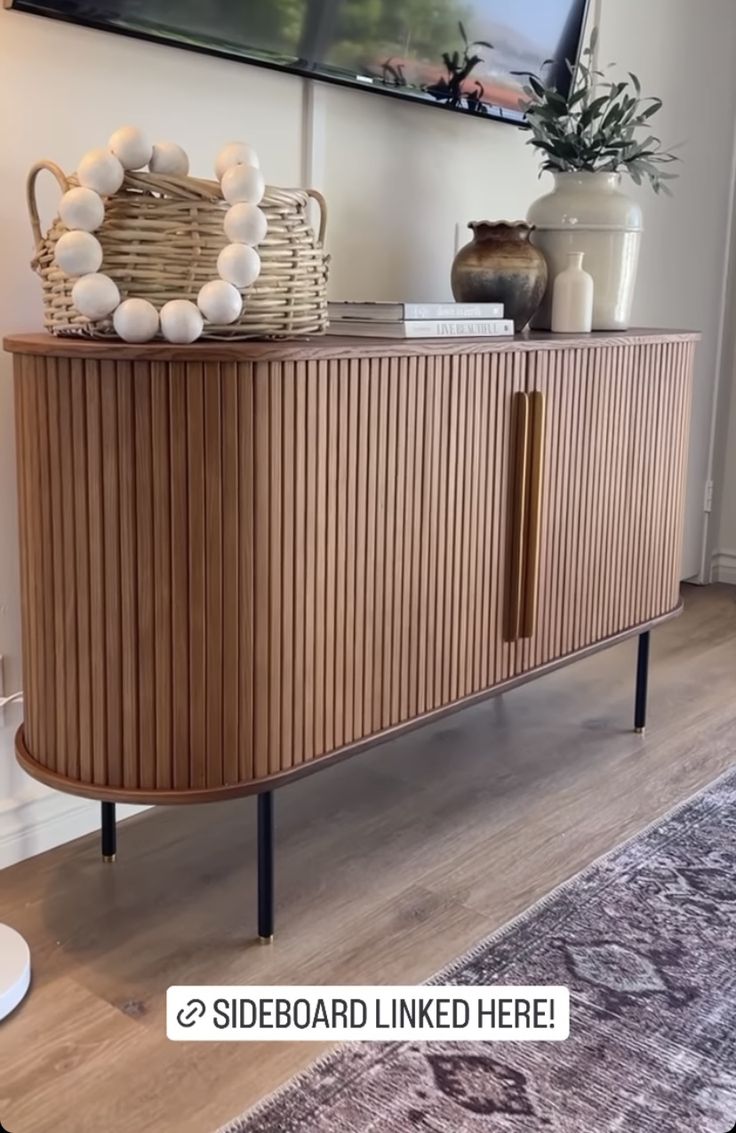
(95, 295)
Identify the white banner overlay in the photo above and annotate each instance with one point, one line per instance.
(368, 1014)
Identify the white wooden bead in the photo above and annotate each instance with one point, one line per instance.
(170, 159)
(136, 320)
(100, 170)
(82, 208)
(245, 224)
(239, 264)
(220, 302)
(235, 153)
(181, 321)
(131, 147)
(95, 295)
(243, 184)
(78, 253)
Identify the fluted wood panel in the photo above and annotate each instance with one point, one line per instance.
(231, 569)
(380, 493)
(615, 445)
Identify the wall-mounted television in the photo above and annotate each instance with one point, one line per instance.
(465, 55)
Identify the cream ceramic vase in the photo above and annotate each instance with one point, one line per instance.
(589, 213)
(572, 298)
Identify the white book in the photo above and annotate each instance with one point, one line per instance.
(398, 312)
(426, 328)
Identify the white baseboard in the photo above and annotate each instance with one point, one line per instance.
(32, 825)
(723, 567)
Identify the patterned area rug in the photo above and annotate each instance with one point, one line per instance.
(646, 941)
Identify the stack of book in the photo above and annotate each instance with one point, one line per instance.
(419, 320)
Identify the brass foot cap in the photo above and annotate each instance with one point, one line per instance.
(640, 731)
(108, 857)
(265, 939)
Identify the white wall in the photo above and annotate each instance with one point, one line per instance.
(723, 544)
(684, 267)
(724, 554)
(398, 178)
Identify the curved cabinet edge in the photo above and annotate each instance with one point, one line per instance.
(321, 347)
(269, 782)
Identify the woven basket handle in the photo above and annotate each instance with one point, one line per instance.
(322, 212)
(60, 176)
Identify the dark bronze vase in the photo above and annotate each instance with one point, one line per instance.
(499, 265)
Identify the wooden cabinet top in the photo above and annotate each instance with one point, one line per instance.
(329, 346)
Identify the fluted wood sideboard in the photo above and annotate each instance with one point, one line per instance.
(241, 561)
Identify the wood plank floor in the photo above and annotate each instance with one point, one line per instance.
(389, 866)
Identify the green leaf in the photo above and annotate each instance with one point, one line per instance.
(596, 127)
(556, 99)
(611, 118)
(575, 98)
(593, 111)
(653, 109)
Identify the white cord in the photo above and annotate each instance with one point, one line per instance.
(10, 699)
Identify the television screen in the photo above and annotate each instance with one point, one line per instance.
(467, 55)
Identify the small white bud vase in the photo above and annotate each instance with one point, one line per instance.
(572, 298)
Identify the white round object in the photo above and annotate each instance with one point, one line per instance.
(100, 170)
(243, 183)
(169, 158)
(82, 208)
(181, 321)
(136, 320)
(95, 295)
(15, 969)
(78, 253)
(245, 224)
(131, 147)
(235, 153)
(220, 302)
(239, 264)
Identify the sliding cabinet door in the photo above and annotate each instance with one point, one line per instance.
(467, 436)
(606, 464)
(380, 504)
(427, 507)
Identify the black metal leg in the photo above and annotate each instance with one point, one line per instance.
(109, 838)
(265, 867)
(642, 675)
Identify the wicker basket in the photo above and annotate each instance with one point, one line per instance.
(161, 238)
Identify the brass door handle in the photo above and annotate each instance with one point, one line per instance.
(520, 471)
(534, 514)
